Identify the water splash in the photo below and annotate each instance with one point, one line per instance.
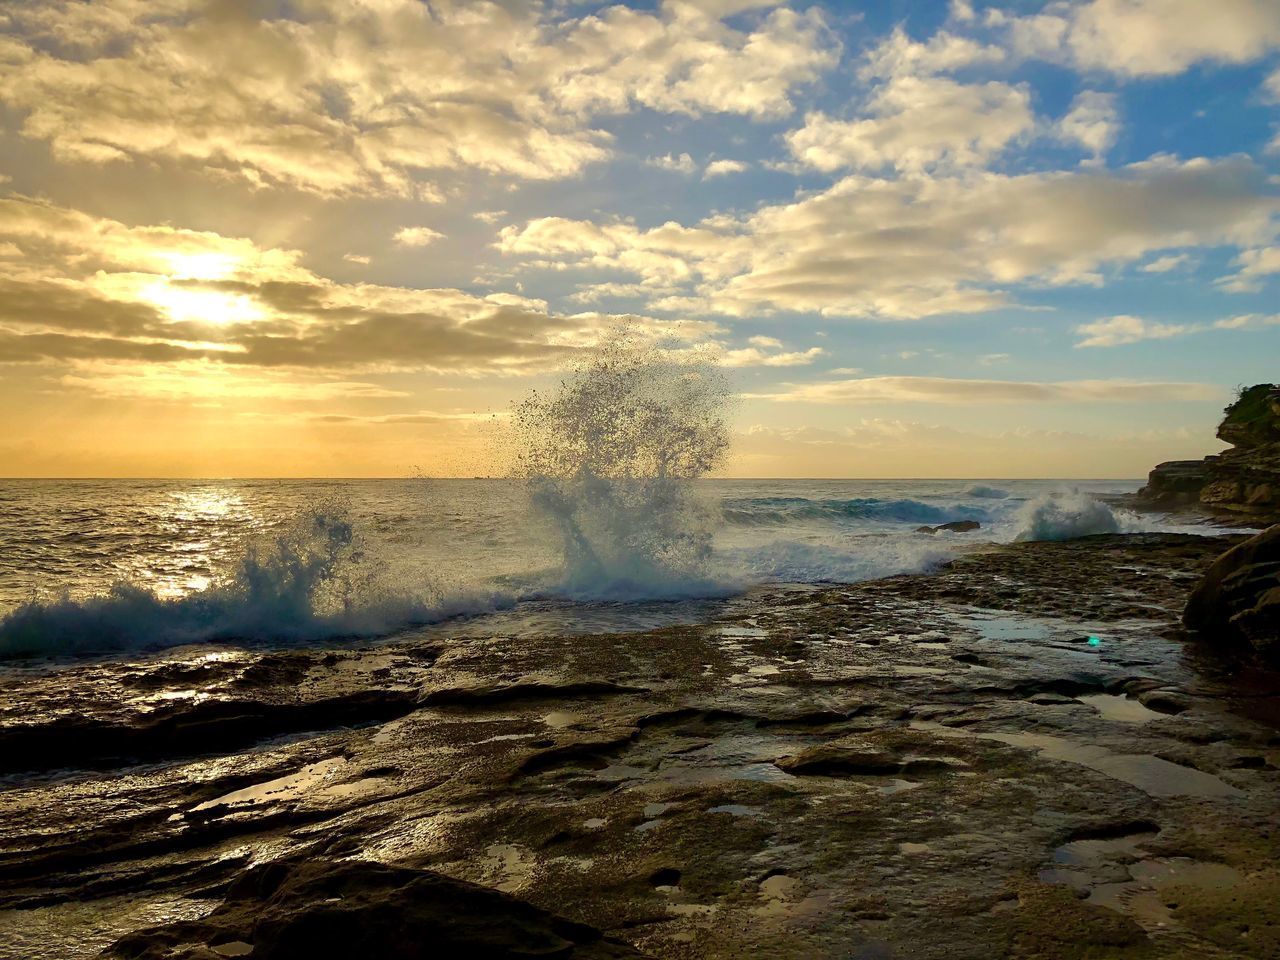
(1066, 516)
(610, 456)
(306, 582)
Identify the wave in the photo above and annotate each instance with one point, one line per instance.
(986, 493)
(781, 510)
(310, 582)
(1066, 516)
(868, 558)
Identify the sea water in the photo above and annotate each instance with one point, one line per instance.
(608, 516)
(109, 564)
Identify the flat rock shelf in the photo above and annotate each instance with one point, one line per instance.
(1022, 755)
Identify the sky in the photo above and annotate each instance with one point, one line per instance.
(321, 238)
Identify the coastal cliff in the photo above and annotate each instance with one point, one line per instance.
(1244, 479)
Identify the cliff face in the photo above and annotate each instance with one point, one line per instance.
(1244, 479)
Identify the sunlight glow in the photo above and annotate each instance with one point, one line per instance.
(183, 304)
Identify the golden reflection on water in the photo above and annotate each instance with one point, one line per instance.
(203, 524)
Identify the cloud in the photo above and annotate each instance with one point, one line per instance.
(1091, 122)
(757, 357)
(417, 236)
(1143, 38)
(918, 123)
(899, 55)
(924, 245)
(1166, 263)
(358, 258)
(682, 163)
(1123, 329)
(949, 391)
(92, 289)
(720, 168)
(333, 98)
(1255, 267)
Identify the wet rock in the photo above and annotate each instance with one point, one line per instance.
(842, 758)
(314, 909)
(1165, 701)
(494, 693)
(186, 729)
(955, 526)
(1239, 596)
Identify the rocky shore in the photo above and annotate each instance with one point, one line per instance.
(1023, 755)
(1243, 480)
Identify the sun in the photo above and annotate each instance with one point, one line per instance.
(184, 304)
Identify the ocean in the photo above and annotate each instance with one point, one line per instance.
(95, 566)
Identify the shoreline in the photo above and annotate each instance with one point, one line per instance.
(940, 765)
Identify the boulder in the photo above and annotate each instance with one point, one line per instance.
(1239, 596)
(955, 526)
(317, 908)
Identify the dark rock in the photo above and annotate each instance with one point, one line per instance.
(189, 728)
(1239, 596)
(1165, 701)
(842, 758)
(302, 908)
(495, 693)
(1176, 481)
(955, 526)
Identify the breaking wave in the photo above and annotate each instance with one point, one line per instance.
(986, 493)
(308, 582)
(1066, 516)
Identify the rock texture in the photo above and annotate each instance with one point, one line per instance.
(1244, 479)
(304, 908)
(1016, 756)
(1239, 596)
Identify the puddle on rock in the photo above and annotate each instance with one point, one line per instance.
(737, 810)
(1112, 874)
(281, 788)
(236, 948)
(1112, 706)
(1159, 778)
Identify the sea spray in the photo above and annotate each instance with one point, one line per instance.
(610, 456)
(1066, 516)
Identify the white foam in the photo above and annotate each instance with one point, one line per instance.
(1066, 516)
(307, 583)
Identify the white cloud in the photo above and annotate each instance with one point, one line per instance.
(676, 163)
(949, 391)
(1123, 329)
(899, 55)
(1091, 122)
(334, 98)
(922, 246)
(720, 168)
(756, 357)
(417, 236)
(1256, 266)
(359, 258)
(1146, 37)
(917, 123)
(1166, 263)
(489, 216)
(1248, 321)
